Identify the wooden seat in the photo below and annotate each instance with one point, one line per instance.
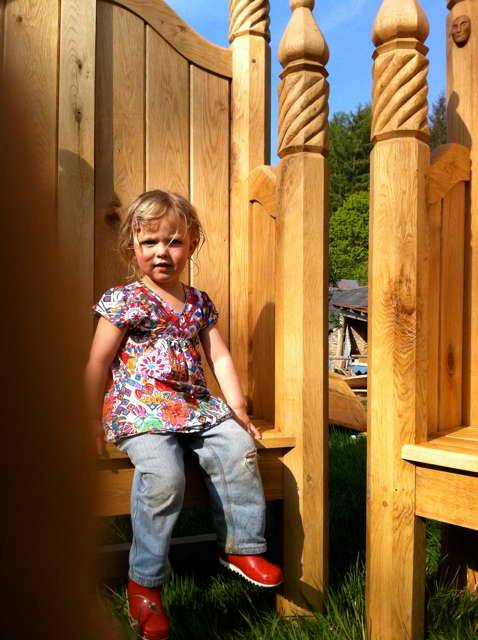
(453, 449)
(446, 479)
(116, 473)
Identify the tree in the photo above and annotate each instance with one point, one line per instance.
(438, 123)
(349, 157)
(348, 241)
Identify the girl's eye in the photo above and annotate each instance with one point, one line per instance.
(176, 241)
(148, 243)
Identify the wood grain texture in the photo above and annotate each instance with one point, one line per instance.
(451, 309)
(249, 17)
(455, 448)
(181, 36)
(76, 103)
(250, 106)
(167, 117)
(210, 190)
(447, 497)
(463, 129)
(433, 241)
(345, 409)
(2, 32)
(301, 376)
(262, 188)
(301, 406)
(30, 52)
(450, 165)
(119, 136)
(262, 243)
(398, 387)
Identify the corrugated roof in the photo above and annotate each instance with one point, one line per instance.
(356, 299)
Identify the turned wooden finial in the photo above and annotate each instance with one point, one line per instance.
(304, 90)
(249, 17)
(400, 19)
(400, 105)
(302, 39)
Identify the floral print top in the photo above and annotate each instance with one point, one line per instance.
(158, 382)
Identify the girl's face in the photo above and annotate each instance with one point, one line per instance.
(163, 248)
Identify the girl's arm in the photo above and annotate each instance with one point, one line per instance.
(105, 345)
(220, 361)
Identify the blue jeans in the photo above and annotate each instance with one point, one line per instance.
(227, 454)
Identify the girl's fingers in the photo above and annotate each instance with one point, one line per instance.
(101, 447)
(254, 431)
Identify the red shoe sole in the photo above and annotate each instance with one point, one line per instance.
(134, 625)
(235, 569)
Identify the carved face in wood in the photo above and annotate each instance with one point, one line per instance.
(461, 30)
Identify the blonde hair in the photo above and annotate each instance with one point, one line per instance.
(147, 209)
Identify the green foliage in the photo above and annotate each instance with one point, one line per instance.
(349, 156)
(438, 123)
(348, 241)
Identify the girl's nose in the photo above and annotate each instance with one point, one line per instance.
(161, 248)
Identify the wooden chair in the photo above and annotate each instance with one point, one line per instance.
(423, 395)
(193, 91)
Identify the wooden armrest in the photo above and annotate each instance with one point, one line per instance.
(453, 449)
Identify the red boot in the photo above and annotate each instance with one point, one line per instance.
(255, 568)
(146, 612)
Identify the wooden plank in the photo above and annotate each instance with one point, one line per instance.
(167, 117)
(30, 55)
(465, 433)
(261, 311)
(449, 441)
(114, 485)
(397, 388)
(76, 200)
(262, 188)
(345, 409)
(301, 375)
(445, 455)
(210, 190)
(450, 165)
(451, 309)
(434, 243)
(398, 325)
(250, 148)
(2, 32)
(119, 142)
(462, 78)
(181, 36)
(447, 497)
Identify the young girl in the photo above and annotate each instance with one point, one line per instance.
(145, 353)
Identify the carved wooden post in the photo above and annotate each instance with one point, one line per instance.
(462, 53)
(250, 135)
(397, 281)
(301, 305)
(462, 83)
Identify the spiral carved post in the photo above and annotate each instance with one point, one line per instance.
(301, 306)
(397, 403)
(461, 546)
(250, 134)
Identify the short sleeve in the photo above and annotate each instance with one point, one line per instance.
(120, 308)
(209, 312)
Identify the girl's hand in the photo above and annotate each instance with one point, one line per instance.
(245, 422)
(100, 442)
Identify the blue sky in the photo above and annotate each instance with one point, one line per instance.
(346, 25)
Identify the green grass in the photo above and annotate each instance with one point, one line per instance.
(213, 605)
